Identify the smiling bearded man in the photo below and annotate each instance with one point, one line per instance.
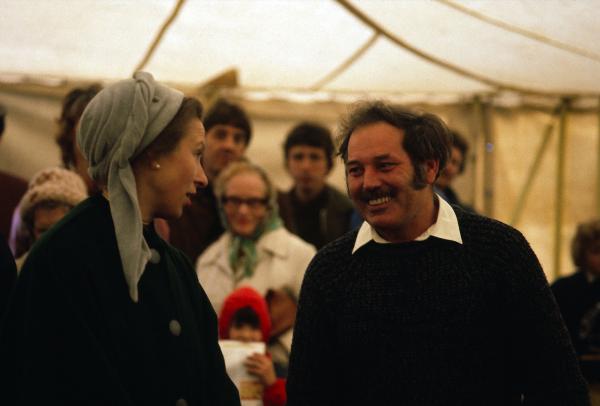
(425, 304)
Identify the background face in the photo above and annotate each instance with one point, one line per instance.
(452, 169)
(245, 333)
(380, 178)
(44, 218)
(224, 144)
(308, 167)
(244, 219)
(180, 173)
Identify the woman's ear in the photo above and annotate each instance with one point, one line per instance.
(144, 163)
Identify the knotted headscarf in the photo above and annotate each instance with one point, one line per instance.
(242, 251)
(116, 126)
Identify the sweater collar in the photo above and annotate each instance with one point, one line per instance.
(445, 227)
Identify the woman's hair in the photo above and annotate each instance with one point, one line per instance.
(72, 108)
(243, 166)
(170, 136)
(586, 235)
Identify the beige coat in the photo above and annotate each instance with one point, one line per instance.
(282, 259)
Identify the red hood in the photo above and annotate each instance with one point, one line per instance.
(243, 297)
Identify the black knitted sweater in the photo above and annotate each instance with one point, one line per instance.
(432, 323)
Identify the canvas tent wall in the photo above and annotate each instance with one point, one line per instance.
(497, 71)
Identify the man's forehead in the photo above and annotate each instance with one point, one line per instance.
(227, 126)
(375, 139)
(306, 148)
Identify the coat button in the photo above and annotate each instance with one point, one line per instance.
(154, 256)
(175, 328)
(181, 402)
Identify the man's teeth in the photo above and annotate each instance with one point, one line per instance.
(381, 200)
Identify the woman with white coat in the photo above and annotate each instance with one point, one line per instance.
(256, 250)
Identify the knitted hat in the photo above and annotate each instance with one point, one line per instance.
(244, 297)
(53, 184)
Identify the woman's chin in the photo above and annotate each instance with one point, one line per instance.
(171, 214)
(243, 233)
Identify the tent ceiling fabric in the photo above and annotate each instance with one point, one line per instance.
(293, 45)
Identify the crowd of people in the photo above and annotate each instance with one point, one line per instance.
(158, 237)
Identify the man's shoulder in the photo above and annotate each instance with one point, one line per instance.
(340, 248)
(475, 227)
(569, 282)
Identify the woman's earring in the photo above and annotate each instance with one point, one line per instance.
(156, 165)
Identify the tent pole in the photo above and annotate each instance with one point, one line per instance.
(560, 183)
(488, 161)
(533, 171)
(598, 166)
(479, 153)
(163, 29)
(487, 158)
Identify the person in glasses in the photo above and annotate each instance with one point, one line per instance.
(255, 250)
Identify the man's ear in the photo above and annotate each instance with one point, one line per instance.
(432, 169)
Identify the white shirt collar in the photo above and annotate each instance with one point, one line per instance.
(445, 227)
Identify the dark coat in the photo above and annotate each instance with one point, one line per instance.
(199, 226)
(12, 188)
(72, 334)
(8, 273)
(334, 211)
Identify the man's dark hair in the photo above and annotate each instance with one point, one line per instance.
(73, 105)
(226, 113)
(459, 142)
(313, 135)
(245, 316)
(425, 135)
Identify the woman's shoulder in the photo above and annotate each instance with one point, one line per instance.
(87, 222)
(85, 234)
(285, 243)
(214, 251)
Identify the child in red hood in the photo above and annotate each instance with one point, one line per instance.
(245, 317)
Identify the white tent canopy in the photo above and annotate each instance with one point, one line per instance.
(546, 46)
(520, 78)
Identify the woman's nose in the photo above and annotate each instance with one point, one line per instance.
(200, 178)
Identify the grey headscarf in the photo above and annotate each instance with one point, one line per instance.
(116, 126)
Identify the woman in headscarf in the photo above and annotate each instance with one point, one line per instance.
(256, 250)
(105, 312)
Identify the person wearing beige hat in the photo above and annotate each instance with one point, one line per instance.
(52, 192)
(105, 312)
